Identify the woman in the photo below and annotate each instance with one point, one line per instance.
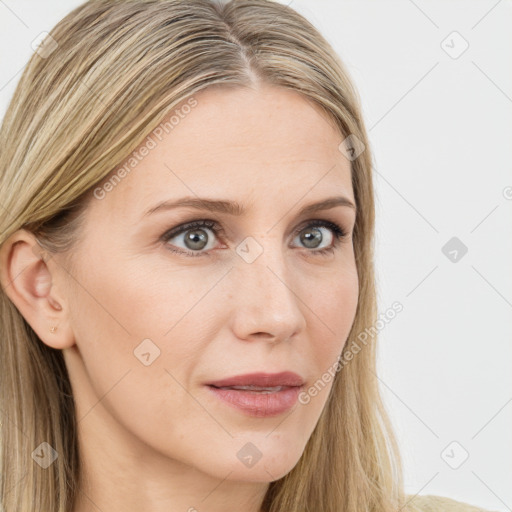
(186, 260)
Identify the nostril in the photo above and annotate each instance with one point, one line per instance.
(263, 335)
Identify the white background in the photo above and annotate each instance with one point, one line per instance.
(440, 129)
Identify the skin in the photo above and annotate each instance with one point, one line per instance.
(153, 437)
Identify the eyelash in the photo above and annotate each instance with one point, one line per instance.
(339, 235)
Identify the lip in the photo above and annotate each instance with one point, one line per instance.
(261, 379)
(259, 403)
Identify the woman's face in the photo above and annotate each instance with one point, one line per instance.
(159, 310)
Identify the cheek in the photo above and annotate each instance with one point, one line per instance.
(332, 301)
(139, 339)
(330, 325)
(141, 314)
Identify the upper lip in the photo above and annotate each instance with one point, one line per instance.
(261, 379)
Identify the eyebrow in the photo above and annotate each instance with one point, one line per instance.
(236, 209)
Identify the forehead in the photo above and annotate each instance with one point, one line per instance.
(256, 144)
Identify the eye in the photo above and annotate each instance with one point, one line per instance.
(312, 236)
(195, 236)
(197, 242)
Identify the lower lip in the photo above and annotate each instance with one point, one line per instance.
(259, 404)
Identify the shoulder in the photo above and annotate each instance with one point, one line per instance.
(431, 503)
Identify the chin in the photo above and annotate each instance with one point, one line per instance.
(262, 472)
(260, 459)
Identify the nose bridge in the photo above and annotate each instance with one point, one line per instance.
(265, 299)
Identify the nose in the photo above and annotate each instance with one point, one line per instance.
(265, 305)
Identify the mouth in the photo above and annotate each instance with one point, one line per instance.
(259, 394)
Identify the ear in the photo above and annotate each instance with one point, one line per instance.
(29, 278)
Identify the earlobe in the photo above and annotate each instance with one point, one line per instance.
(30, 284)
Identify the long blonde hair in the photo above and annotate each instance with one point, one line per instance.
(105, 77)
